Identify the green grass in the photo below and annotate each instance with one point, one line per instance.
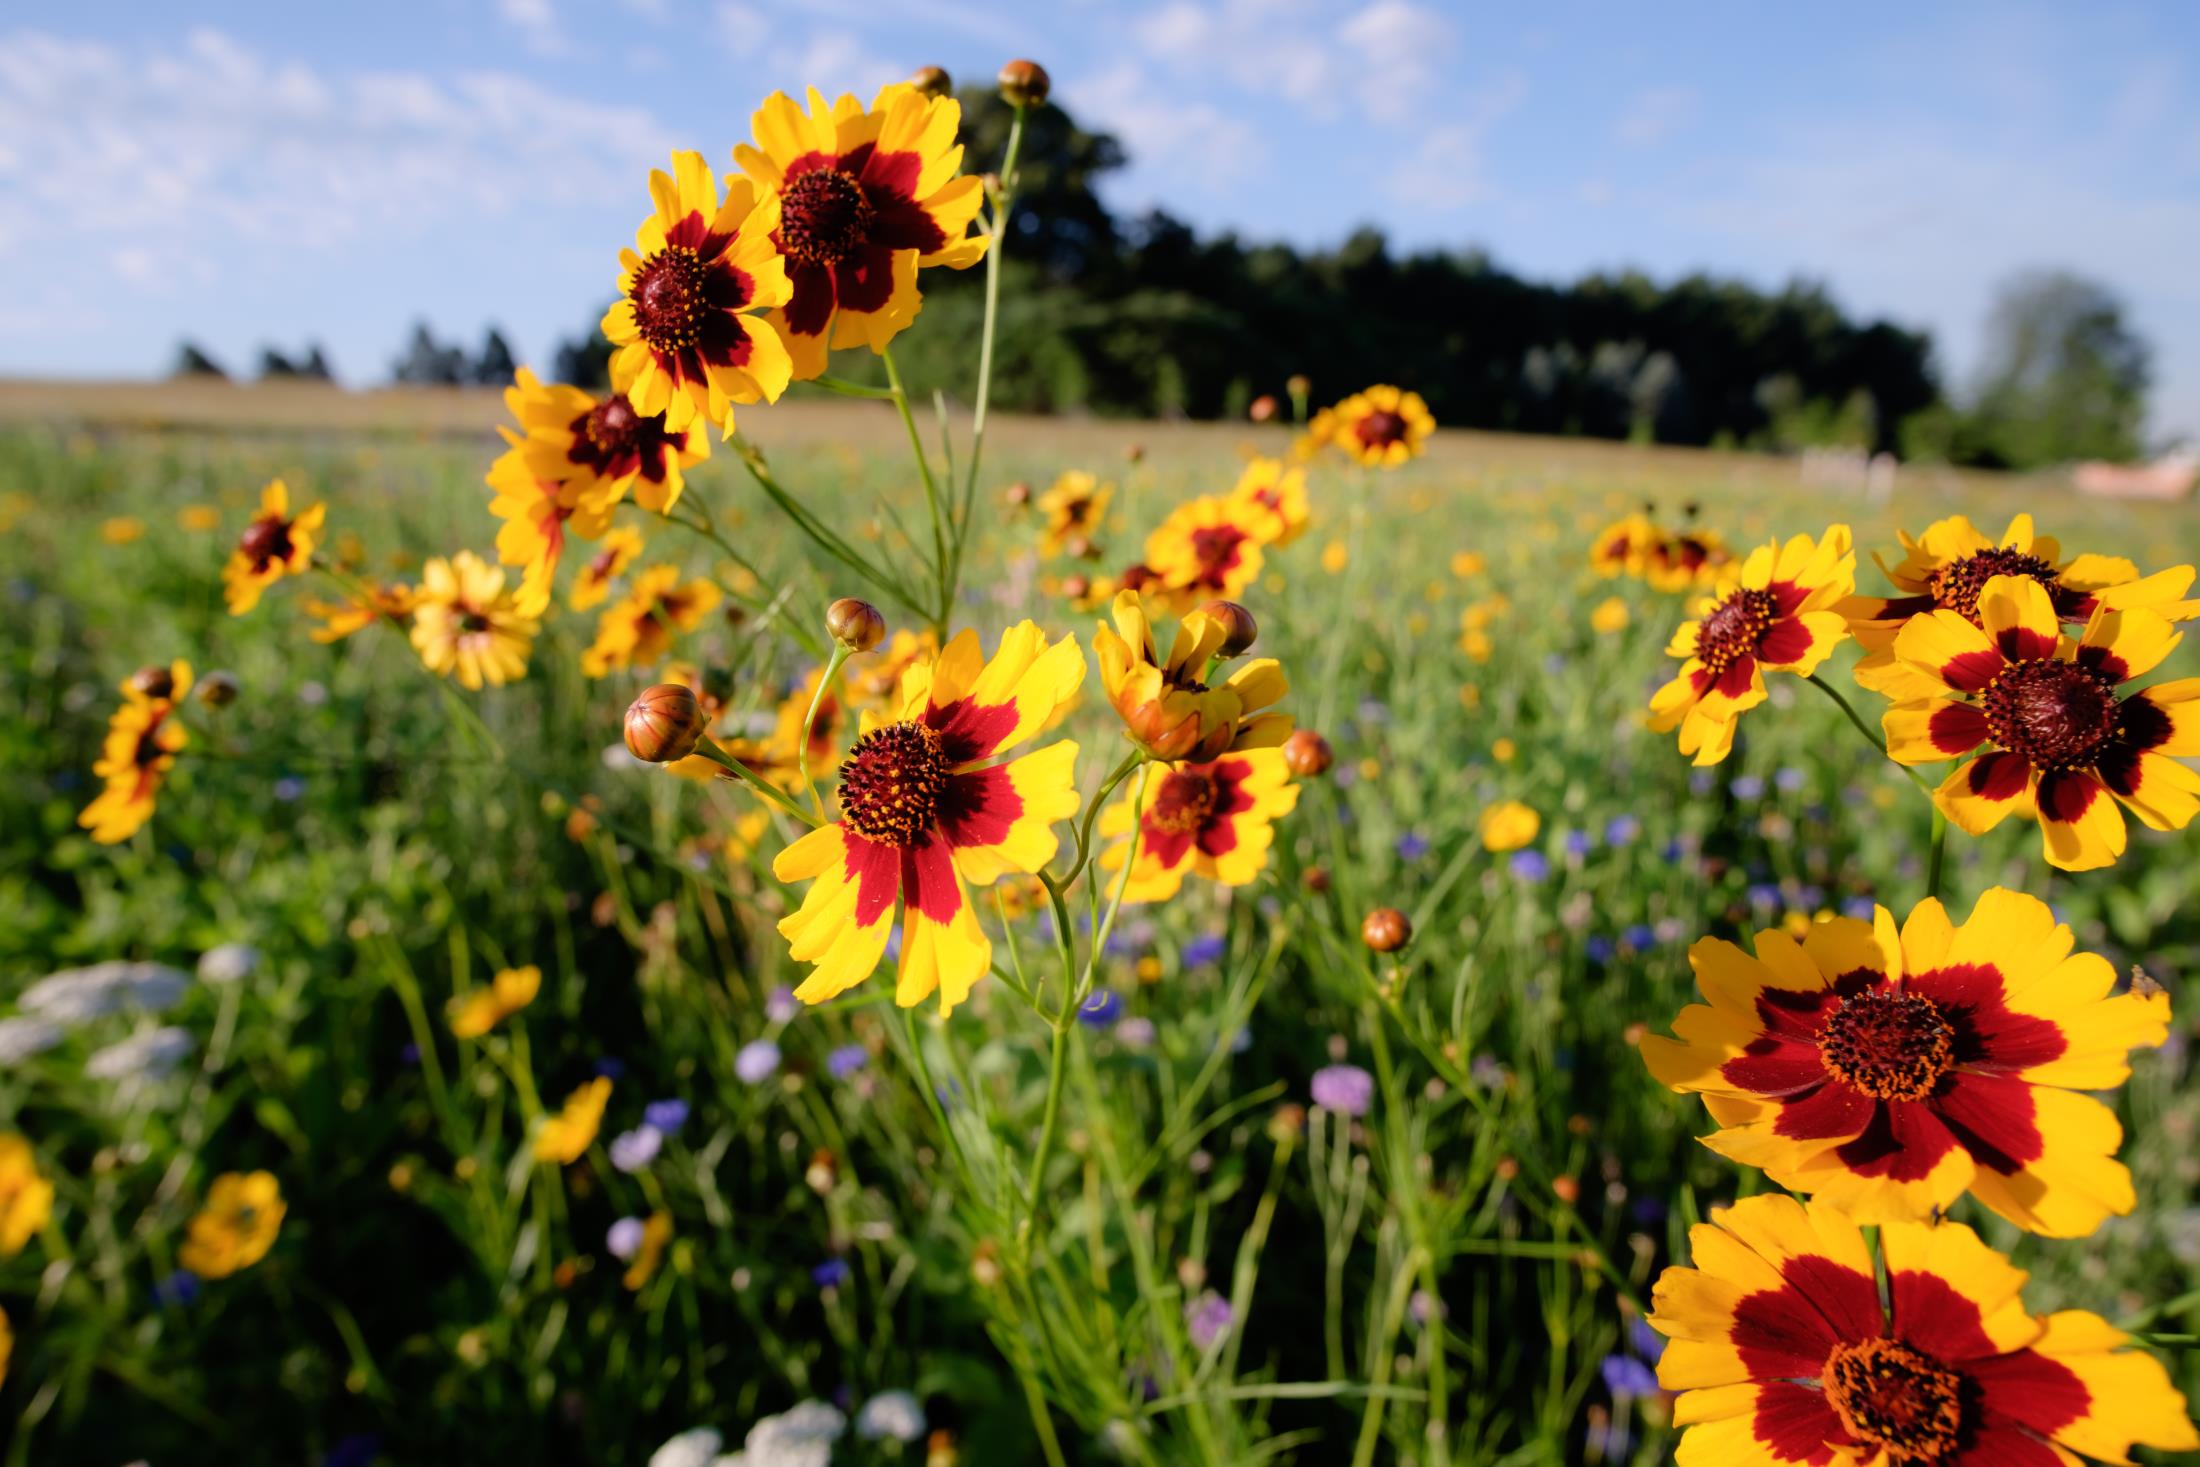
(387, 842)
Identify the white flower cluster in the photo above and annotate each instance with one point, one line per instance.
(801, 1436)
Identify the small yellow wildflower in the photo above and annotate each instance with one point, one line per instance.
(236, 1227)
(566, 1136)
(476, 1013)
(1508, 825)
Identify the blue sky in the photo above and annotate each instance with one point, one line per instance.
(251, 172)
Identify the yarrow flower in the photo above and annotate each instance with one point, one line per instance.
(143, 739)
(637, 631)
(2060, 739)
(468, 624)
(922, 812)
(1166, 702)
(564, 1138)
(1215, 820)
(891, 1416)
(1778, 614)
(1889, 1073)
(478, 1012)
(1788, 1352)
(235, 1227)
(274, 545)
(1380, 428)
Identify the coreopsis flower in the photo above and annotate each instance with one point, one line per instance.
(1076, 507)
(1508, 825)
(564, 1138)
(874, 679)
(601, 447)
(1777, 614)
(1207, 547)
(1381, 427)
(466, 622)
(274, 545)
(483, 1009)
(2059, 739)
(650, 1251)
(1610, 616)
(1788, 1353)
(1677, 560)
(689, 326)
(391, 602)
(1890, 1073)
(1620, 546)
(637, 631)
(143, 739)
(1214, 819)
(866, 197)
(1947, 568)
(592, 586)
(235, 1227)
(922, 812)
(1274, 496)
(1166, 703)
(26, 1198)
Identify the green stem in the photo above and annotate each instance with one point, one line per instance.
(942, 587)
(1122, 885)
(854, 389)
(1056, 1063)
(820, 533)
(809, 721)
(1938, 858)
(1870, 734)
(1002, 206)
(709, 749)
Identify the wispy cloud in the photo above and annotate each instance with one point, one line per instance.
(1656, 114)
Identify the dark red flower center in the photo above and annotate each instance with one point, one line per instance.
(265, 541)
(148, 751)
(891, 781)
(1734, 628)
(1380, 429)
(1138, 577)
(823, 215)
(668, 298)
(1957, 584)
(1888, 1043)
(1185, 803)
(610, 433)
(603, 563)
(2055, 714)
(1216, 548)
(474, 623)
(1897, 1399)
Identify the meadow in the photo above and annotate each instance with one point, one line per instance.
(1233, 1265)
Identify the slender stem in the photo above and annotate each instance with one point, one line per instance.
(809, 721)
(709, 749)
(1002, 205)
(1120, 773)
(1938, 858)
(942, 587)
(1056, 1063)
(1122, 885)
(819, 533)
(1871, 734)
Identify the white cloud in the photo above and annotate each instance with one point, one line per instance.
(1447, 170)
(537, 24)
(1657, 114)
(1175, 143)
(1382, 60)
(793, 59)
(1399, 49)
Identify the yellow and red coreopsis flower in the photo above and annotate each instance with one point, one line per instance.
(1676, 560)
(274, 545)
(1207, 547)
(2059, 739)
(391, 602)
(143, 739)
(621, 547)
(922, 812)
(1788, 1352)
(1947, 568)
(638, 630)
(465, 621)
(538, 514)
(601, 447)
(1076, 507)
(26, 1198)
(1381, 427)
(1778, 613)
(874, 678)
(865, 197)
(1890, 1073)
(564, 1138)
(236, 1226)
(1275, 497)
(1166, 703)
(1620, 546)
(692, 340)
(505, 995)
(1215, 820)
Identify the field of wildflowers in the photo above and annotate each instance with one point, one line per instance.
(641, 943)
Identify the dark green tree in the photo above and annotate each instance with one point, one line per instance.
(2064, 376)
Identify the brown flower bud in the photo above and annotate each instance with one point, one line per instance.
(1080, 547)
(1017, 494)
(664, 723)
(1263, 409)
(1308, 754)
(217, 689)
(1297, 384)
(1240, 631)
(1289, 1119)
(154, 681)
(1076, 588)
(1316, 879)
(1135, 453)
(1566, 1190)
(933, 81)
(1024, 84)
(855, 624)
(1386, 930)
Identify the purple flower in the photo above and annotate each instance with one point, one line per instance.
(1346, 1089)
(1207, 1318)
(1857, 906)
(780, 1006)
(1530, 865)
(667, 1116)
(357, 1450)
(1136, 1031)
(1648, 1343)
(1412, 846)
(757, 1061)
(1749, 786)
(830, 1274)
(1201, 951)
(1790, 779)
(1640, 936)
(624, 1240)
(1101, 1008)
(611, 1067)
(290, 787)
(1598, 949)
(846, 1060)
(635, 1149)
(1621, 829)
(1579, 842)
(1628, 1378)
(179, 1288)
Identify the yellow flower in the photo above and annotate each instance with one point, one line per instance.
(199, 518)
(565, 1137)
(1335, 557)
(1275, 497)
(874, 678)
(358, 611)
(274, 545)
(1076, 507)
(1619, 547)
(466, 622)
(593, 451)
(478, 1012)
(236, 1227)
(656, 1236)
(1207, 547)
(123, 529)
(26, 1198)
(621, 548)
(1468, 563)
(638, 630)
(1508, 825)
(1610, 616)
(1215, 820)
(143, 739)
(7, 1344)
(1504, 751)
(1166, 702)
(1381, 427)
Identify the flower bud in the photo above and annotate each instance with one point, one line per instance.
(1135, 453)
(1386, 930)
(1308, 754)
(1240, 631)
(1080, 547)
(217, 689)
(822, 1172)
(1017, 494)
(1297, 384)
(855, 624)
(1316, 879)
(1263, 409)
(154, 681)
(1076, 588)
(933, 81)
(1024, 84)
(664, 724)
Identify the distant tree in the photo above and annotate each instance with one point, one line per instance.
(274, 366)
(1059, 219)
(494, 367)
(192, 361)
(315, 367)
(584, 361)
(429, 363)
(2064, 377)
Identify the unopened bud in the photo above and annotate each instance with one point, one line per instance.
(1135, 453)
(1240, 631)
(855, 624)
(1297, 384)
(1080, 547)
(1263, 409)
(933, 81)
(1076, 588)
(217, 689)
(1024, 84)
(1386, 930)
(1308, 754)
(1316, 879)
(154, 681)
(1017, 494)
(664, 724)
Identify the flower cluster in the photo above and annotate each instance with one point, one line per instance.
(1667, 559)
